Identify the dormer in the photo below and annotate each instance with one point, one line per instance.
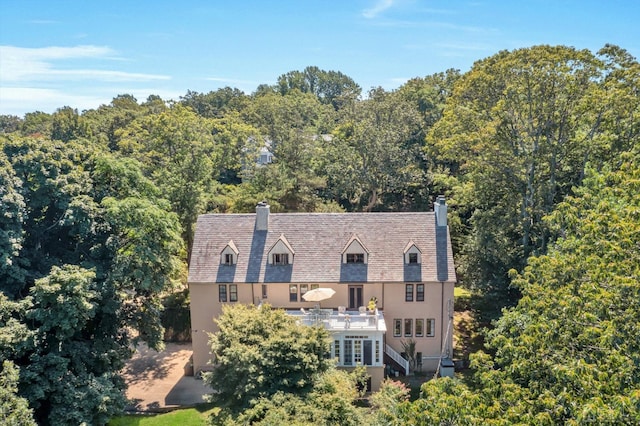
(229, 255)
(355, 251)
(412, 254)
(281, 252)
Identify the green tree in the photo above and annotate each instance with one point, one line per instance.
(330, 87)
(260, 351)
(179, 153)
(330, 402)
(14, 410)
(568, 352)
(294, 124)
(374, 160)
(67, 125)
(97, 254)
(218, 104)
(12, 209)
(517, 133)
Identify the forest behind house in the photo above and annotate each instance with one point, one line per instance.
(536, 150)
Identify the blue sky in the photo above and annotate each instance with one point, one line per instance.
(84, 53)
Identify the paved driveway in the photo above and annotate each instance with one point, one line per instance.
(157, 382)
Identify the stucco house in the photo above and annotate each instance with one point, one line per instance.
(402, 260)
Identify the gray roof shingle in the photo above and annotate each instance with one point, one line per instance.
(318, 240)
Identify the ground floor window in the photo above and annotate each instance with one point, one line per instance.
(293, 293)
(358, 350)
(397, 327)
(408, 327)
(431, 327)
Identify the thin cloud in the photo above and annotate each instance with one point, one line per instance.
(378, 8)
(19, 64)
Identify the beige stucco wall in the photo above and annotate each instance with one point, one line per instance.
(391, 300)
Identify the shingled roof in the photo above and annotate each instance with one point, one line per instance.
(318, 240)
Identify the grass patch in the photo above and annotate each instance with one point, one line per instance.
(196, 416)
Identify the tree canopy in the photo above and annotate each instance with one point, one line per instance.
(260, 351)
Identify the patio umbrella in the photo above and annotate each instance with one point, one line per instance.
(318, 294)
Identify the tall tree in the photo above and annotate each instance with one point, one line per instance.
(517, 132)
(179, 153)
(374, 159)
(294, 124)
(331, 87)
(96, 261)
(568, 352)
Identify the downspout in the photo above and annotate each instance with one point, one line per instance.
(441, 316)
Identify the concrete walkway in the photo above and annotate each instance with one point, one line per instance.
(157, 382)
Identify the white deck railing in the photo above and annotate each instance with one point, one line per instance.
(397, 358)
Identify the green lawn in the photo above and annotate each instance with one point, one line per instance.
(196, 416)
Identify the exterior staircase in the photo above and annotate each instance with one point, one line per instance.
(397, 358)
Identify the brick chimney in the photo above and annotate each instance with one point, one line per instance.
(440, 208)
(262, 216)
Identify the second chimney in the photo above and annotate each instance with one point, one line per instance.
(262, 216)
(440, 208)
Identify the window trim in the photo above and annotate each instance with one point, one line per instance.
(233, 292)
(408, 321)
(408, 293)
(419, 327)
(413, 258)
(397, 327)
(222, 293)
(280, 259)
(430, 327)
(355, 258)
(420, 292)
(293, 295)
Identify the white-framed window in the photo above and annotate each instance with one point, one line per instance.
(413, 257)
(280, 258)
(293, 292)
(228, 259)
(408, 327)
(355, 257)
(431, 327)
(397, 327)
(419, 327)
(303, 289)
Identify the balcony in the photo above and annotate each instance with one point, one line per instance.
(341, 320)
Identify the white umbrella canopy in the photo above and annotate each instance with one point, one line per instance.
(318, 294)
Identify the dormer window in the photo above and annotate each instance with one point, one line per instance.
(355, 251)
(281, 252)
(355, 257)
(412, 254)
(280, 259)
(229, 255)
